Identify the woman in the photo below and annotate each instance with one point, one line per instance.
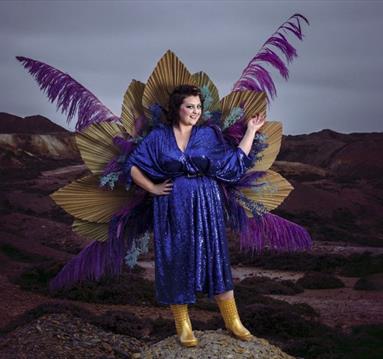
(181, 164)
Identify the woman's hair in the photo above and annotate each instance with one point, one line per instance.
(177, 97)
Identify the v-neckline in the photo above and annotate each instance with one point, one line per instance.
(175, 139)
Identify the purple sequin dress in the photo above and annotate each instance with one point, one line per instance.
(190, 243)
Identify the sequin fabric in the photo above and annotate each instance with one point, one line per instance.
(190, 243)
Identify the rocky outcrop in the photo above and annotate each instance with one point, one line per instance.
(53, 146)
(214, 344)
(30, 125)
(66, 336)
(355, 155)
(24, 142)
(300, 171)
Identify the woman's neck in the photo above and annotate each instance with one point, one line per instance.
(184, 129)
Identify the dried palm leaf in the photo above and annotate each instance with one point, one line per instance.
(169, 73)
(96, 145)
(270, 190)
(252, 102)
(91, 230)
(271, 133)
(202, 80)
(84, 199)
(132, 110)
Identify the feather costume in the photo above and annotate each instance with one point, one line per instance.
(216, 185)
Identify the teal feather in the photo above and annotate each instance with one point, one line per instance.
(139, 245)
(207, 97)
(236, 113)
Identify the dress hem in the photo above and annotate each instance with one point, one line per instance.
(195, 300)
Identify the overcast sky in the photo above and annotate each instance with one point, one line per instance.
(336, 82)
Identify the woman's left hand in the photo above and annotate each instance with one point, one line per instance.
(256, 122)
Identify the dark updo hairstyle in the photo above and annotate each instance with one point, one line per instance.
(176, 99)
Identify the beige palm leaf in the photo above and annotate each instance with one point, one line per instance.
(96, 145)
(169, 73)
(85, 200)
(132, 106)
(253, 102)
(202, 79)
(271, 133)
(92, 230)
(269, 190)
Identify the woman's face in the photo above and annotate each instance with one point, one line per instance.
(190, 110)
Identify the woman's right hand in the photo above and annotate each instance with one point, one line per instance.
(163, 188)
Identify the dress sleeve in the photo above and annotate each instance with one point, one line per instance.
(145, 157)
(228, 163)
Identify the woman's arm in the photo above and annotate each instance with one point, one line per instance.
(247, 141)
(140, 179)
(144, 182)
(253, 125)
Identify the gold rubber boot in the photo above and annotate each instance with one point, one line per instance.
(230, 315)
(183, 325)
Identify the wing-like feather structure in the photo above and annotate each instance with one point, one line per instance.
(118, 220)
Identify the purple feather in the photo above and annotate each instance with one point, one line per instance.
(265, 82)
(278, 233)
(236, 217)
(71, 96)
(94, 261)
(254, 76)
(112, 166)
(235, 132)
(140, 124)
(283, 45)
(125, 146)
(99, 259)
(271, 57)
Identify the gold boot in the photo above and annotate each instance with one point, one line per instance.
(230, 315)
(183, 325)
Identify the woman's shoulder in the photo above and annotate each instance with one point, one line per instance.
(210, 130)
(151, 137)
(157, 130)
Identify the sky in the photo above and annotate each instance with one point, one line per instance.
(335, 83)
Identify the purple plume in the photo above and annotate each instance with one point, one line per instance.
(235, 132)
(278, 233)
(255, 77)
(140, 124)
(99, 259)
(125, 146)
(71, 96)
(96, 260)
